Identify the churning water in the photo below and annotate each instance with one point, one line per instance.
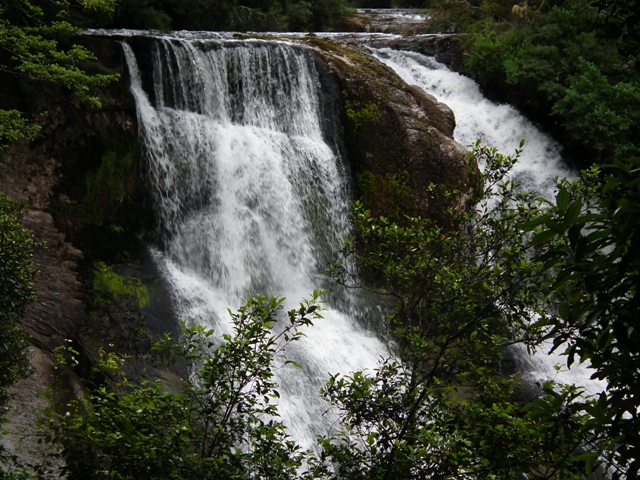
(251, 198)
(477, 118)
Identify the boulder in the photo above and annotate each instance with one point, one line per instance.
(393, 129)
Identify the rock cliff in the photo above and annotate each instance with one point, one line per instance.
(77, 222)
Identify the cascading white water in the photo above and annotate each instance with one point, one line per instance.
(498, 126)
(501, 127)
(250, 197)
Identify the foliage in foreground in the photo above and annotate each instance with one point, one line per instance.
(222, 425)
(506, 270)
(441, 409)
(564, 272)
(16, 292)
(464, 288)
(35, 50)
(591, 241)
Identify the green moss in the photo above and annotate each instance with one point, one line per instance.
(364, 64)
(361, 112)
(106, 187)
(385, 195)
(98, 206)
(107, 283)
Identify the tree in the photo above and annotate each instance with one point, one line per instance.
(564, 66)
(372, 3)
(465, 287)
(229, 15)
(591, 242)
(222, 425)
(31, 37)
(16, 292)
(624, 17)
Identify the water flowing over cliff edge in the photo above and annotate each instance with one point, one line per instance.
(258, 198)
(250, 174)
(250, 197)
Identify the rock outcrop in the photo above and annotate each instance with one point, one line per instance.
(387, 20)
(394, 129)
(445, 48)
(50, 174)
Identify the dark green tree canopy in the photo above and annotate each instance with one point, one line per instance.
(35, 51)
(570, 64)
(591, 241)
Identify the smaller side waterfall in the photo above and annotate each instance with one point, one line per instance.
(250, 198)
(498, 126)
(501, 127)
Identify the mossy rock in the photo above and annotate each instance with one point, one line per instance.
(392, 128)
(129, 309)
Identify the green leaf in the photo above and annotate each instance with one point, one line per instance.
(543, 237)
(572, 213)
(536, 222)
(562, 200)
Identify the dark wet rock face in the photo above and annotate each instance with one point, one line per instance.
(52, 174)
(58, 313)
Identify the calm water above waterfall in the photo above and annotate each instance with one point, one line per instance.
(251, 197)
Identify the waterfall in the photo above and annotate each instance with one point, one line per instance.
(498, 126)
(250, 197)
(501, 127)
